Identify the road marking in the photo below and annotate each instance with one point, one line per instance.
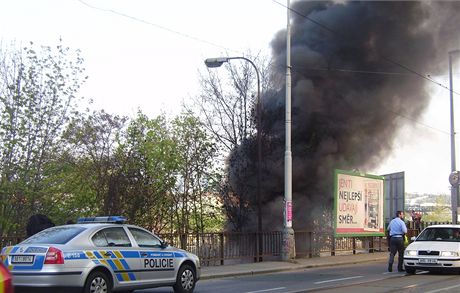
(337, 280)
(267, 290)
(443, 289)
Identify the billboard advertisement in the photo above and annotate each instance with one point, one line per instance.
(358, 204)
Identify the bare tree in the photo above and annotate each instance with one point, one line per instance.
(228, 103)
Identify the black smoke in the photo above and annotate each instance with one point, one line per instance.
(351, 93)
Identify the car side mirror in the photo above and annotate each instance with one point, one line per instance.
(413, 238)
(163, 244)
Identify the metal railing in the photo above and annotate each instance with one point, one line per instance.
(215, 248)
(220, 248)
(227, 247)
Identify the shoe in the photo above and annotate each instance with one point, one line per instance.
(390, 269)
(401, 270)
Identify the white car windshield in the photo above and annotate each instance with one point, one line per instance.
(440, 234)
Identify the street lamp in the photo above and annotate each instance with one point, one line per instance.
(454, 189)
(288, 249)
(217, 62)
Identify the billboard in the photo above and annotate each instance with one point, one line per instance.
(358, 204)
(394, 195)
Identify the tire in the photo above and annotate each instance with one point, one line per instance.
(97, 282)
(185, 280)
(410, 271)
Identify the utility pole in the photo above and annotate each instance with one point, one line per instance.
(288, 249)
(453, 178)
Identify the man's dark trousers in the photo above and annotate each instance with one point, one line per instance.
(396, 245)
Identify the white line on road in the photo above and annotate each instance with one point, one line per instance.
(337, 280)
(267, 290)
(443, 289)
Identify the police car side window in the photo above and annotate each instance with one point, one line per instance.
(99, 239)
(111, 237)
(145, 239)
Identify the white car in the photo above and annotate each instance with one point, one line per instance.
(100, 254)
(436, 248)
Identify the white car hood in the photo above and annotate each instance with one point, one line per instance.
(434, 245)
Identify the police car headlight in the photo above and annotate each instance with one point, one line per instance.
(449, 253)
(410, 252)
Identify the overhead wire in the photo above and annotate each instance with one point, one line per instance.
(410, 70)
(379, 73)
(158, 26)
(427, 76)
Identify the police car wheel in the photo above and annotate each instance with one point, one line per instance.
(186, 279)
(97, 282)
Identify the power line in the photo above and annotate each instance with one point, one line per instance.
(411, 71)
(427, 77)
(357, 71)
(386, 108)
(158, 26)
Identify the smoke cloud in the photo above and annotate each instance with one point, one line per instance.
(349, 95)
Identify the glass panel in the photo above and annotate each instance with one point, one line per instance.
(144, 238)
(55, 235)
(99, 239)
(115, 236)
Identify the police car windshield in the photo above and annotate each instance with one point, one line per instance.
(55, 235)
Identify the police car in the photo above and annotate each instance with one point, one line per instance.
(100, 254)
(436, 248)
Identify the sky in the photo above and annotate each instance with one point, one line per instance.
(145, 54)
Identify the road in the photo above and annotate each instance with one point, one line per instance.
(357, 278)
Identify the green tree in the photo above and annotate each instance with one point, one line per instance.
(93, 142)
(150, 171)
(195, 192)
(38, 88)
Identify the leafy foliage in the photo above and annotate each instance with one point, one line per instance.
(65, 164)
(37, 98)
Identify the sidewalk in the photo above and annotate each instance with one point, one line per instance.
(212, 272)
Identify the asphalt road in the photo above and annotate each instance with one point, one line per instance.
(357, 278)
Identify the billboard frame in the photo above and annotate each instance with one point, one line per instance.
(381, 199)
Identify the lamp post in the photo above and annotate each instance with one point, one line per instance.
(288, 249)
(454, 189)
(217, 62)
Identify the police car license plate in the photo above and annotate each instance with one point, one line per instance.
(428, 260)
(22, 259)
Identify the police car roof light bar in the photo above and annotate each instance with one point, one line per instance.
(105, 219)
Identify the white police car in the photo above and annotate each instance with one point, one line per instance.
(100, 254)
(436, 248)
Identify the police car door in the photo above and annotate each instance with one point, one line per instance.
(157, 265)
(114, 250)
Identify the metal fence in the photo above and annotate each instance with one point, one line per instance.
(221, 248)
(215, 248)
(227, 248)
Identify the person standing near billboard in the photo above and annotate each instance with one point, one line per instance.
(396, 231)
